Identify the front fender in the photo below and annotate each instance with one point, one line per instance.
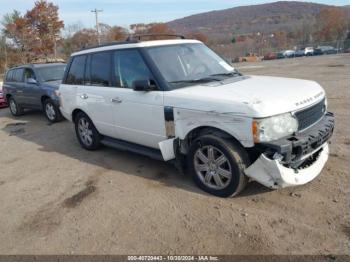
(237, 126)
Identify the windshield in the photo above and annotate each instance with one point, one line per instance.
(186, 64)
(51, 73)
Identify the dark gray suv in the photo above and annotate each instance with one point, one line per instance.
(34, 86)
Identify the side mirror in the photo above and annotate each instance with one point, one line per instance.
(31, 81)
(143, 85)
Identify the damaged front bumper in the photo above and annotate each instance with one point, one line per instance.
(295, 160)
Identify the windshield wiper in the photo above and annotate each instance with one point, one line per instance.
(235, 73)
(200, 80)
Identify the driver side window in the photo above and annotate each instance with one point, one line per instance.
(28, 73)
(128, 67)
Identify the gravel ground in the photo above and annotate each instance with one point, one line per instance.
(56, 198)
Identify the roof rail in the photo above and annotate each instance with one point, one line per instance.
(108, 44)
(139, 36)
(131, 39)
(38, 62)
(48, 62)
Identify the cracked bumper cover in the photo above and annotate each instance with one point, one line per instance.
(295, 150)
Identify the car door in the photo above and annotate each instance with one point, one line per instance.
(138, 115)
(69, 87)
(32, 91)
(18, 86)
(8, 87)
(95, 96)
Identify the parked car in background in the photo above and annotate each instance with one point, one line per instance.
(250, 57)
(300, 52)
(289, 53)
(318, 51)
(327, 50)
(34, 86)
(270, 56)
(309, 51)
(280, 55)
(3, 102)
(176, 100)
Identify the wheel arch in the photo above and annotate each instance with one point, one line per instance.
(43, 99)
(193, 134)
(76, 112)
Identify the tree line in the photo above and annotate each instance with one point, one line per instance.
(39, 35)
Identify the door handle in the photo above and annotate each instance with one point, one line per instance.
(84, 96)
(19, 91)
(116, 100)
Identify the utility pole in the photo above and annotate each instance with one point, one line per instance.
(97, 25)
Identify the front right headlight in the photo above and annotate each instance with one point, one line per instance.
(273, 128)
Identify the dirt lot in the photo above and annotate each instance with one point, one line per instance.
(56, 198)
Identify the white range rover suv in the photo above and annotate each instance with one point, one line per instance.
(176, 100)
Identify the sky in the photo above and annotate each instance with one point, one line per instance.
(126, 12)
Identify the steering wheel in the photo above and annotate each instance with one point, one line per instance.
(199, 70)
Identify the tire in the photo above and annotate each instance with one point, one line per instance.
(15, 108)
(207, 175)
(86, 132)
(52, 112)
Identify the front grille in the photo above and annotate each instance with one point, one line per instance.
(311, 115)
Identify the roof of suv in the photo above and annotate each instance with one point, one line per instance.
(37, 65)
(47, 64)
(124, 45)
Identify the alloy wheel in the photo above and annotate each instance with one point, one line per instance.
(50, 111)
(212, 167)
(13, 106)
(85, 131)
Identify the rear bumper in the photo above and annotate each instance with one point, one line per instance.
(295, 160)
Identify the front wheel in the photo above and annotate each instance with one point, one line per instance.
(217, 165)
(86, 132)
(52, 112)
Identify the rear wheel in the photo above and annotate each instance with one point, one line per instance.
(87, 134)
(217, 165)
(15, 108)
(52, 112)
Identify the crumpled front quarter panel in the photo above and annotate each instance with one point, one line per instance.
(239, 127)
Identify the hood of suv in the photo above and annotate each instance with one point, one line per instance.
(254, 96)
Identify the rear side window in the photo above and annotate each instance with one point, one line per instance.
(76, 71)
(18, 75)
(100, 69)
(9, 76)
